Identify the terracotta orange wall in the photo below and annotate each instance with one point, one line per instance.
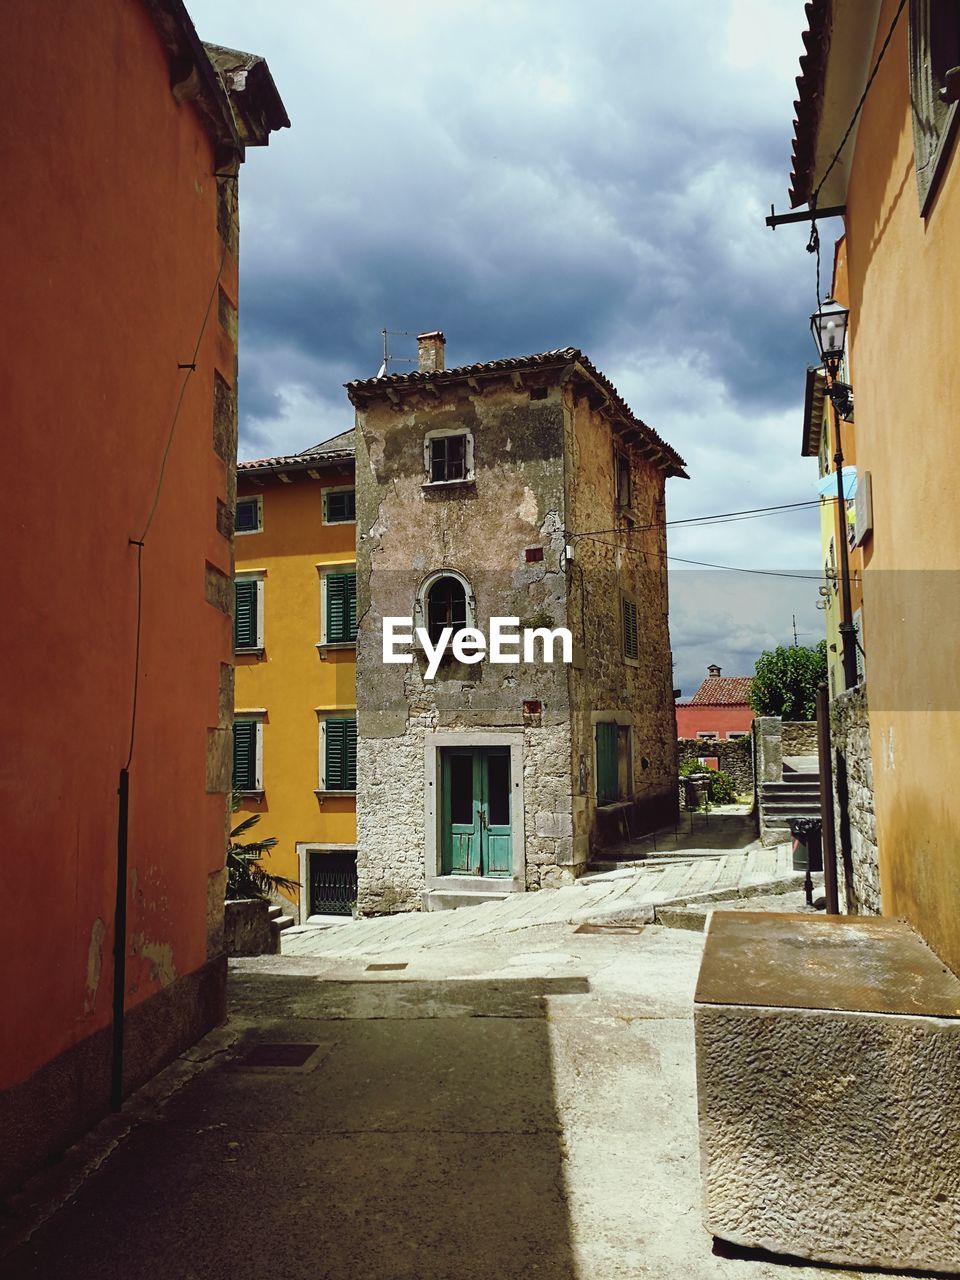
(904, 277)
(291, 680)
(721, 720)
(108, 209)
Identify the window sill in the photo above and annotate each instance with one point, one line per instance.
(330, 523)
(245, 533)
(323, 645)
(449, 484)
(322, 791)
(257, 793)
(255, 649)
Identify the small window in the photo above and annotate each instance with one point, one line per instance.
(338, 753)
(934, 89)
(624, 495)
(340, 608)
(339, 506)
(248, 614)
(249, 517)
(247, 755)
(448, 456)
(631, 635)
(446, 607)
(736, 733)
(708, 737)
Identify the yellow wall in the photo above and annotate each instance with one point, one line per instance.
(830, 518)
(292, 680)
(904, 275)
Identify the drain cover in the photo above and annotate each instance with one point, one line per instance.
(609, 928)
(383, 968)
(279, 1055)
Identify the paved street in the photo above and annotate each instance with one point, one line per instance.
(512, 1101)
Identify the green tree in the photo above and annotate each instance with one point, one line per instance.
(786, 681)
(245, 877)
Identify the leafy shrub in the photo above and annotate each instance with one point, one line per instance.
(721, 788)
(786, 681)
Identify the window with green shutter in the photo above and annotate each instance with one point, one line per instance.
(245, 755)
(631, 633)
(340, 754)
(245, 628)
(339, 506)
(341, 590)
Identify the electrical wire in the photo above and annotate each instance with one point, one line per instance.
(722, 517)
(189, 368)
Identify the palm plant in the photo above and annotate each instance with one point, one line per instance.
(245, 877)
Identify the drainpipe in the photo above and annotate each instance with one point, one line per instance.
(120, 944)
(826, 803)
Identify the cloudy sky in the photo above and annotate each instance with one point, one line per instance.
(525, 176)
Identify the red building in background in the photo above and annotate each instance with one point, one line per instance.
(719, 709)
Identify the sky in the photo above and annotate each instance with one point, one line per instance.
(526, 176)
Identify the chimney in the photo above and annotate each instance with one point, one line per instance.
(430, 348)
(713, 670)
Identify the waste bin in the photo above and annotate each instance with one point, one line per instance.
(807, 843)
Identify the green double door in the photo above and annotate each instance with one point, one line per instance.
(475, 815)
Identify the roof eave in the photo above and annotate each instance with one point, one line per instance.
(838, 43)
(813, 412)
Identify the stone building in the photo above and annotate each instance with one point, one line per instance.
(524, 489)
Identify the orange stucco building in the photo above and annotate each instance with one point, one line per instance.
(121, 270)
(898, 180)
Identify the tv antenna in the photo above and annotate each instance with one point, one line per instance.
(387, 357)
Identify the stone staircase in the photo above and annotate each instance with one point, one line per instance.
(279, 921)
(796, 795)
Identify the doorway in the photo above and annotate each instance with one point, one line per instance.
(475, 818)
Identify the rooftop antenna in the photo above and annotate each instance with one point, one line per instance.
(795, 631)
(387, 357)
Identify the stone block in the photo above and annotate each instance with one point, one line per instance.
(828, 1065)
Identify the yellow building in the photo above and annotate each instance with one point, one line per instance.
(820, 442)
(295, 654)
(897, 179)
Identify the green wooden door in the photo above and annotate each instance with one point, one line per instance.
(608, 788)
(476, 828)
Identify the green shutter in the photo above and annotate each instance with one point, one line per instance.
(340, 505)
(244, 755)
(245, 615)
(631, 636)
(340, 763)
(341, 607)
(607, 782)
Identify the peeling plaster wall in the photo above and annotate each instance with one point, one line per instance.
(603, 682)
(542, 467)
(482, 530)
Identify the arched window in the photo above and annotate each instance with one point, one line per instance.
(444, 599)
(446, 606)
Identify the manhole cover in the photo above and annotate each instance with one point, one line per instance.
(279, 1055)
(609, 928)
(384, 968)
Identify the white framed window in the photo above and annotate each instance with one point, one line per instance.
(340, 505)
(248, 612)
(629, 630)
(736, 733)
(338, 604)
(708, 737)
(249, 515)
(248, 752)
(444, 599)
(448, 456)
(338, 751)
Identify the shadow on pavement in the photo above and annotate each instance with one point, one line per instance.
(413, 1133)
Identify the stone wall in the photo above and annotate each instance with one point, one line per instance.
(856, 830)
(799, 737)
(735, 757)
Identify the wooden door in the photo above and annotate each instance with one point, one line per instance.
(476, 827)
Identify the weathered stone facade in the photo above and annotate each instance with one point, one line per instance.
(544, 437)
(799, 737)
(858, 869)
(734, 756)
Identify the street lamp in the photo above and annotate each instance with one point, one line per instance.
(829, 328)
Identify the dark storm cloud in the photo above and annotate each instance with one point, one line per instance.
(528, 176)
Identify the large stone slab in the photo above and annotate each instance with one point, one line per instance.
(828, 1067)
